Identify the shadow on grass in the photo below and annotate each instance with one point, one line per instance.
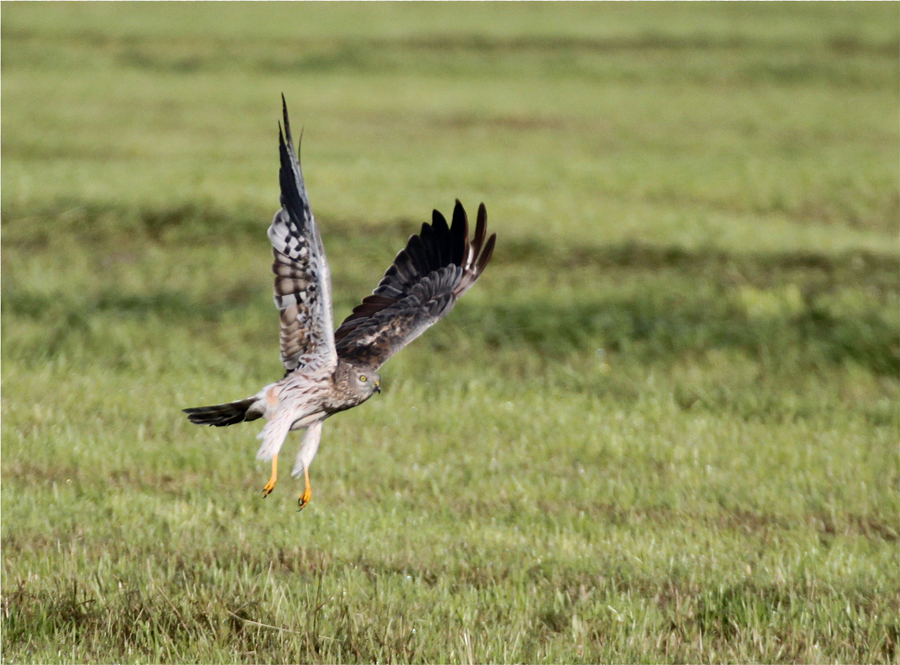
(661, 330)
(767, 306)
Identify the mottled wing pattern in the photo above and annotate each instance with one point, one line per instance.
(302, 277)
(421, 287)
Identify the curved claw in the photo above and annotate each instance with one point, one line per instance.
(267, 490)
(307, 492)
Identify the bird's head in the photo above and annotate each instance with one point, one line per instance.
(365, 381)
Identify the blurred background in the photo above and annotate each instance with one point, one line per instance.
(663, 426)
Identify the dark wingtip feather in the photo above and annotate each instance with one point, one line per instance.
(287, 122)
(432, 246)
(486, 254)
(443, 241)
(438, 221)
(480, 230)
(459, 211)
(459, 234)
(418, 252)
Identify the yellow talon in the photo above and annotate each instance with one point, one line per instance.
(267, 490)
(307, 492)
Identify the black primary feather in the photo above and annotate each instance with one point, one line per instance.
(426, 278)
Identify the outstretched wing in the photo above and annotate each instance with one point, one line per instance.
(302, 277)
(420, 288)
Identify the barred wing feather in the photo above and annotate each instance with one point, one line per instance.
(302, 277)
(426, 279)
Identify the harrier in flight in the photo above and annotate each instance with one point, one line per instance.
(332, 370)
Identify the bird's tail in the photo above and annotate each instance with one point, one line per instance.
(221, 415)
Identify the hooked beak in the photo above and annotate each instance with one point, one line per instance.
(377, 386)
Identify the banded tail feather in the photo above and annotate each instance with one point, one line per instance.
(220, 415)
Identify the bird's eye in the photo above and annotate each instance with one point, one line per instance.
(363, 378)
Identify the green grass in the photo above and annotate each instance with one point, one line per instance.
(662, 428)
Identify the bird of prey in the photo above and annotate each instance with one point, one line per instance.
(329, 370)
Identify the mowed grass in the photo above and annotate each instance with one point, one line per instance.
(663, 427)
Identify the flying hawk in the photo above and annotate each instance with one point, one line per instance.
(331, 370)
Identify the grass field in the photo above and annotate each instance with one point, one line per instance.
(662, 428)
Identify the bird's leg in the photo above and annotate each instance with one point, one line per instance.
(267, 490)
(307, 492)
